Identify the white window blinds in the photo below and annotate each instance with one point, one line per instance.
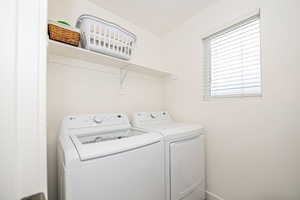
(233, 60)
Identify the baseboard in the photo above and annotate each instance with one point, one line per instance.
(212, 196)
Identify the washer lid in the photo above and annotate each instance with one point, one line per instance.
(96, 145)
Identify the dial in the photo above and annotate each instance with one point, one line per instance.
(152, 115)
(97, 120)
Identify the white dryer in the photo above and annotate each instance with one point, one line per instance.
(102, 157)
(184, 154)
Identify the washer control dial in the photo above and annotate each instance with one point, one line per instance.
(98, 120)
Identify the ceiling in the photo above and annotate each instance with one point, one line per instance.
(156, 16)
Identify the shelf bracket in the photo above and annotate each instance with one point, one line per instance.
(123, 76)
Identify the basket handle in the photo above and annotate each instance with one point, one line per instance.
(83, 41)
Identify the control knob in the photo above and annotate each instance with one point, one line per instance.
(153, 116)
(97, 120)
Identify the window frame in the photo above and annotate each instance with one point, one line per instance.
(207, 57)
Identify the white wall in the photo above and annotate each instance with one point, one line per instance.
(253, 144)
(76, 87)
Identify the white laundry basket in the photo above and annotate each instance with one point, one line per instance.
(105, 37)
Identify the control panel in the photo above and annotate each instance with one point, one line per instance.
(97, 120)
(151, 117)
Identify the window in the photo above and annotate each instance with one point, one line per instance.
(233, 60)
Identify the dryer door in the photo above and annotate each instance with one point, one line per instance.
(187, 169)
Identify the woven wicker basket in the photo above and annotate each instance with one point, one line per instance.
(63, 33)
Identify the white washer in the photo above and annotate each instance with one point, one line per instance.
(184, 154)
(102, 157)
